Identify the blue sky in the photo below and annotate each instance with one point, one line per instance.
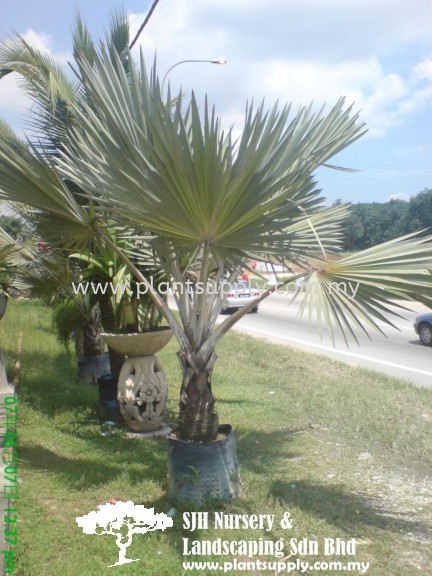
(378, 54)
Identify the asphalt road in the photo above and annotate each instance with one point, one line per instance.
(399, 354)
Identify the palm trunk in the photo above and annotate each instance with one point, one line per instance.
(198, 420)
(109, 325)
(3, 302)
(92, 344)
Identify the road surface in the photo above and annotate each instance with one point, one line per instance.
(400, 354)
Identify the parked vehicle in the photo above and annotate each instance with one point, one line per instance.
(423, 327)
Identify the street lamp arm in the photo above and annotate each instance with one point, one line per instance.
(220, 61)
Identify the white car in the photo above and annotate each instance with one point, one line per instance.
(240, 294)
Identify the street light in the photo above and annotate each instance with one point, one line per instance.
(220, 61)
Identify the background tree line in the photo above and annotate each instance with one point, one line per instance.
(372, 223)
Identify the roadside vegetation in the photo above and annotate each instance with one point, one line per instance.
(371, 223)
(346, 451)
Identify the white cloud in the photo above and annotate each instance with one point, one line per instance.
(423, 70)
(14, 103)
(39, 40)
(297, 51)
(315, 29)
(400, 196)
(45, 43)
(415, 152)
(12, 98)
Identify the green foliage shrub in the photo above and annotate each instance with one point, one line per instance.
(67, 322)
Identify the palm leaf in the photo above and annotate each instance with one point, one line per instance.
(45, 82)
(28, 179)
(165, 162)
(383, 278)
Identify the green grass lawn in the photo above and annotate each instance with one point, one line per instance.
(347, 452)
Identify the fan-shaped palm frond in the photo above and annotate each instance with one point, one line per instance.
(50, 88)
(361, 291)
(13, 258)
(27, 178)
(172, 163)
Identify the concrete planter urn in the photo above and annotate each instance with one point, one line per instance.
(142, 386)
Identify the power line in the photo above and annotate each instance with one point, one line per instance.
(147, 18)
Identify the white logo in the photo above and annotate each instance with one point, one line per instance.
(112, 517)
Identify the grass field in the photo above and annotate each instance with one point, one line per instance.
(347, 452)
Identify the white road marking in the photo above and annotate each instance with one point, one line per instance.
(336, 351)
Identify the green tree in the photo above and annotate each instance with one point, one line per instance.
(371, 223)
(354, 232)
(420, 211)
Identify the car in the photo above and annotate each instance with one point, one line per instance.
(240, 294)
(423, 327)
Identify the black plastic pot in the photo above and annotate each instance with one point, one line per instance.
(91, 368)
(107, 388)
(108, 404)
(200, 471)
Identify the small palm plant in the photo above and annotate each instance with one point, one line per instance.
(10, 261)
(203, 200)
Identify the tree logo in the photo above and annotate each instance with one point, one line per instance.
(123, 520)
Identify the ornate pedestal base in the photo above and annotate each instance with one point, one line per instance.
(142, 393)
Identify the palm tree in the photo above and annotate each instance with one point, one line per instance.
(9, 263)
(16, 227)
(55, 96)
(13, 257)
(204, 201)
